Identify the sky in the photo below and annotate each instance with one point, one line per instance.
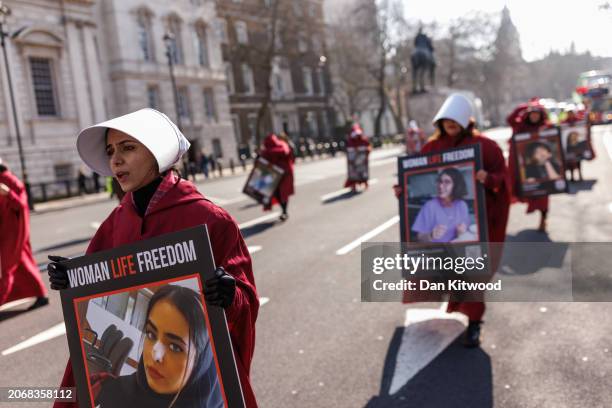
(543, 25)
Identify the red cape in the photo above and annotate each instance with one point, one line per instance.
(19, 274)
(357, 141)
(518, 122)
(277, 152)
(183, 207)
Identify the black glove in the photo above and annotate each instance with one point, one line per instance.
(220, 290)
(58, 273)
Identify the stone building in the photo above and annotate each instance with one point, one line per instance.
(300, 82)
(77, 62)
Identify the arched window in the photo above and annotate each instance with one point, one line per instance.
(145, 35)
(176, 48)
(201, 44)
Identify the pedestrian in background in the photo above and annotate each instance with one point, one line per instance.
(140, 150)
(278, 152)
(204, 163)
(19, 274)
(528, 117)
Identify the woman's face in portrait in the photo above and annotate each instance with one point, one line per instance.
(167, 355)
(572, 139)
(132, 164)
(535, 116)
(451, 127)
(445, 186)
(541, 155)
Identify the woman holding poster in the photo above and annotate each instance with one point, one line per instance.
(526, 118)
(358, 148)
(455, 127)
(140, 149)
(279, 153)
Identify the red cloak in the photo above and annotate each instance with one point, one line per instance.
(497, 199)
(518, 122)
(279, 153)
(183, 207)
(359, 140)
(19, 274)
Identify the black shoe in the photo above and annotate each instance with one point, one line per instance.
(40, 302)
(471, 337)
(284, 217)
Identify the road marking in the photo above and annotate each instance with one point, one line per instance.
(263, 301)
(49, 334)
(610, 207)
(95, 225)
(607, 140)
(259, 220)
(383, 162)
(254, 248)
(349, 247)
(427, 333)
(345, 190)
(15, 304)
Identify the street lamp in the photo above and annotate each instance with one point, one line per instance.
(169, 41)
(5, 11)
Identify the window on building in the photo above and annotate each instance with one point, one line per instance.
(184, 109)
(222, 30)
(242, 34)
(44, 90)
(307, 78)
(317, 45)
(268, 3)
(237, 131)
(302, 42)
(176, 45)
(153, 96)
(321, 77)
(217, 148)
(63, 171)
(312, 10)
(252, 126)
(297, 8)
(311, 124)
(229, 73)
(209, 105)
(145, 37)
(201, 40)
(247, 79)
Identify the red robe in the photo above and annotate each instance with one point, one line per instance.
(357, 141)
(19, 274)
(518, 123)
(279, 153)
(183, 207)
(497, 199)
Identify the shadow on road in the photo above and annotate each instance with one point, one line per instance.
(457, 377)
(530, 251)
(257, 229)
(343, 196)
(9, 314)
(577, 186)
(249, 205)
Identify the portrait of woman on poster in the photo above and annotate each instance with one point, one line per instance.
(446, 216)
(539, 163)
(176, 368)
(575, 147)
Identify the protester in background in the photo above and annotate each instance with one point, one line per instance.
(455, 127)
(279, 153)
(357, 139)
(204, 163)
(140, 150)
(82, 181)
(574, 147)
(415, 138)
(19, 274)
(528, 117)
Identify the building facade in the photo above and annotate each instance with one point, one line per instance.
(292, 62)
(74, 63)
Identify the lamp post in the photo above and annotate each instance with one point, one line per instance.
(5, 11)
(170, 50)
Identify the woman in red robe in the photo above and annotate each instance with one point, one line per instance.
(527, 117)
(19, 275)
(357, 140)
(279, 152)
(140, 150)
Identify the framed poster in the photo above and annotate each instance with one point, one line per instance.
(540, 163)
(140, 332)
(358, 163)
(263, 181)
(576, 141)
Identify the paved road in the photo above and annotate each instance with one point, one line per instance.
(318, 345)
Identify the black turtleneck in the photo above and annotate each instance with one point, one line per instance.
(143, 196)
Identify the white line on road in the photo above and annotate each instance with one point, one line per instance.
(608, 143)
(95, 225)
(345, 190)
(14, 304)
(55, 331)
(348, 248)
(259, 220)
(254, 248)
(610, 207)
(263, 301)
(426, 334)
